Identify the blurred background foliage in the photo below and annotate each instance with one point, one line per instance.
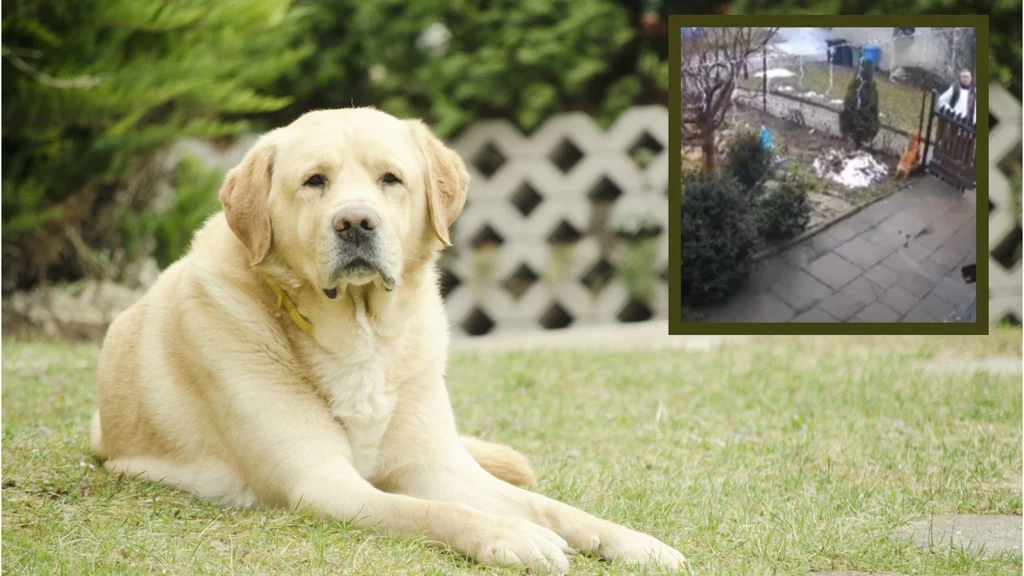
(95, 90)
(453, 62)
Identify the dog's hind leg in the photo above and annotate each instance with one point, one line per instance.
(210, 480)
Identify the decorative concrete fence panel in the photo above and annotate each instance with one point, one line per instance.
(1004, 219)
(545, 241)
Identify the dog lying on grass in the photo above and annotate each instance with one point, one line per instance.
(296, 355)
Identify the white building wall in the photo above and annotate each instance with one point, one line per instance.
(926, 49)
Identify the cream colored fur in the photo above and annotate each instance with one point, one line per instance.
(206, 385)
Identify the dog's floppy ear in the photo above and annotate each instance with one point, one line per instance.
(447, 181)
(244, 196)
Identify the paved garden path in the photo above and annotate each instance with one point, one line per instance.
(987, 535)
(899, 259)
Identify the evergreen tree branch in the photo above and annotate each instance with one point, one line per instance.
(79, 83)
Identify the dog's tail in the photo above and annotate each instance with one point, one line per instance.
(501, 461)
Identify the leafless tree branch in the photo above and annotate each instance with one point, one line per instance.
(710, 62)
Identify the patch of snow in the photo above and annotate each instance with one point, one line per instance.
(853, 170)
(775, 73)
(806, 42)
(785, 88)
(812, 94)
(836, 101)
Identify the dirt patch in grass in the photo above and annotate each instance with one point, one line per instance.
(798, 146)
(801, 146)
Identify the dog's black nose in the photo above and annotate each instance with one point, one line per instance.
(356, 222)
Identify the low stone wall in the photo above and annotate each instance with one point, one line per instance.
(821, 117)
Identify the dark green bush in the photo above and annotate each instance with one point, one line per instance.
(858, 119)
(783, 211)
(749, 161)
(718, 239)
(454, 63)
(92, 88)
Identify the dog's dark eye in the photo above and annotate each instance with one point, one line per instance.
(316, 181)
(390, 178)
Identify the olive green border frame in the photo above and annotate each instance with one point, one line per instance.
(678, 327)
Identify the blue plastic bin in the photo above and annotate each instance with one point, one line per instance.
(872, 53)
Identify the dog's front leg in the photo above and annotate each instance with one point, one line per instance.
(428, 460)
(292, 453)
(468, 483)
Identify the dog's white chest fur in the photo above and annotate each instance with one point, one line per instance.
(354, 384)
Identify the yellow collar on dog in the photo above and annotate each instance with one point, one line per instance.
(284, 301)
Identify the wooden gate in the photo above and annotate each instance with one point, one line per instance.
(952, 139)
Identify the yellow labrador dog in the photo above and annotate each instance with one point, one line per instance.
(296, 356)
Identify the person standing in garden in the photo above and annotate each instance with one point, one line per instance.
(960, 98)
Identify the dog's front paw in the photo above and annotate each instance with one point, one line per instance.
(633, 548)
(515, 543)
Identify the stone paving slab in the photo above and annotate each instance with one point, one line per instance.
(916, 283)
(762, 307)
(815, 315)
(853, 574)
(863, 290)
(863, 252)
(988, 365)
(936, 307)
(898, 260)
(989, 535)
(952, 291)
(899, 300)
(833, 270)
(882, 276)
(841, 306)
(877, 312)
(801, 290)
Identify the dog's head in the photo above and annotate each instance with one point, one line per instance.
(346, 197)
(915, 138)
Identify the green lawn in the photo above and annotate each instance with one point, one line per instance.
(900, 104)
(772, 456)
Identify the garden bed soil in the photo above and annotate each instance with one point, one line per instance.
(801, 145)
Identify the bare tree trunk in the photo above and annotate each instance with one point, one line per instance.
(714, 59)
(708, 148)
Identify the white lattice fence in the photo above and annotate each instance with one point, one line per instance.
(541, 242)
(1004, 220)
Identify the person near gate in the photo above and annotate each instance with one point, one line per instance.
(960, 98)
